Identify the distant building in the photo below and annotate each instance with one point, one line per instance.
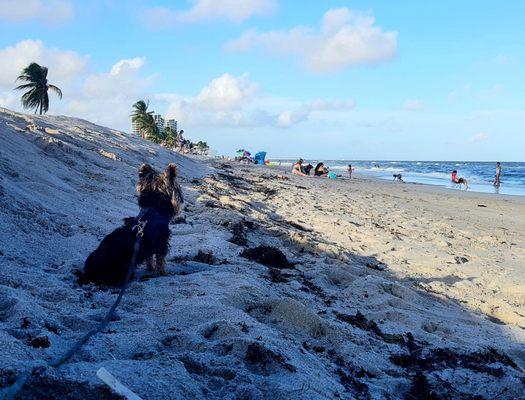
(135, 128)
(159, 121)
(171, 123)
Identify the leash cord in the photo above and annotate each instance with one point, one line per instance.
(10, 391)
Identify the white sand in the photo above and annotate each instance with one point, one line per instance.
(225, 331)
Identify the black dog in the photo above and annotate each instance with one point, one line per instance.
(398, 177)
(160, 199)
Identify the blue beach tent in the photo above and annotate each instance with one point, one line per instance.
(259, 157)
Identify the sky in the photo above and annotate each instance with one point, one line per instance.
(331, 79)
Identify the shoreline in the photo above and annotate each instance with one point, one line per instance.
(477, 183)
(429, 188)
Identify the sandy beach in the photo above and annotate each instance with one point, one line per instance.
(390, 290)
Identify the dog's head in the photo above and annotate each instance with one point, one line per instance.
(161, 185)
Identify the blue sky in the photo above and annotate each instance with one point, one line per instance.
(318, 79)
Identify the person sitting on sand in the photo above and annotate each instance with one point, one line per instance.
(459, 181)
(297, 168)
(320, 170)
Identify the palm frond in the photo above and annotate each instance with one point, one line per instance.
(56, 90)
(25, 86)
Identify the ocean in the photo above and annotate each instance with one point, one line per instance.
(480, 175)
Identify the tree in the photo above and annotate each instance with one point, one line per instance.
(37, 96)
(141, 116)
(170, 137)
(149, 129)
(202, 147)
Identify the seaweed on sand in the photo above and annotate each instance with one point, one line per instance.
(268, 256)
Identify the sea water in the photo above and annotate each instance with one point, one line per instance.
(480, 175)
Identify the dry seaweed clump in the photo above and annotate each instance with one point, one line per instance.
(268, 256)
(265, 360)
(205, 257)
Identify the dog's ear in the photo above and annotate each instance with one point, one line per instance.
(171, 172)
(144, 170)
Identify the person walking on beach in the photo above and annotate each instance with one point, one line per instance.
(498, 174)
(350, 169)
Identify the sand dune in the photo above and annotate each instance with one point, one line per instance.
(393, 291)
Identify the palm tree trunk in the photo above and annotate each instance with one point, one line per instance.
(40, 108)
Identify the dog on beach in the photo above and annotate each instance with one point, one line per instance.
(398, 177)
(160, 199)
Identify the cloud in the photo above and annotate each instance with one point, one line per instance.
(47, 11)
(345, 38)
(226, 92)
(479, 138)
(218, 103)
(205, 10)
(63, 65)
(106, 98)
(287, 119)
(470, 93)
(7, 99)
(126, 65)
(413, 105)
(233, 101)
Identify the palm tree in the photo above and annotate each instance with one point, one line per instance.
(202, 147)
(141, 116)
(36, 97)
(170, 137)
(149, 129)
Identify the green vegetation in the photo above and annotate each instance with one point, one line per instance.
(144, 120)
(37, 96)
(168, 137)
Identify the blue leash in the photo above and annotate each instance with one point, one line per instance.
(9, 392)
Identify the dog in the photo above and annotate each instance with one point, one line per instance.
(398, 177)
(160, 199)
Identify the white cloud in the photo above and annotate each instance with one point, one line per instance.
(7, 99)
(287, 119)
(413, 105)
(226, 92)
(479, 138)
(204, 10)
(127, 65)
(64, 68)
(106, 98)
(481, 94)
(47, 11)
(63, 65)
(233, 101)
(218, 103)
(345, 38)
